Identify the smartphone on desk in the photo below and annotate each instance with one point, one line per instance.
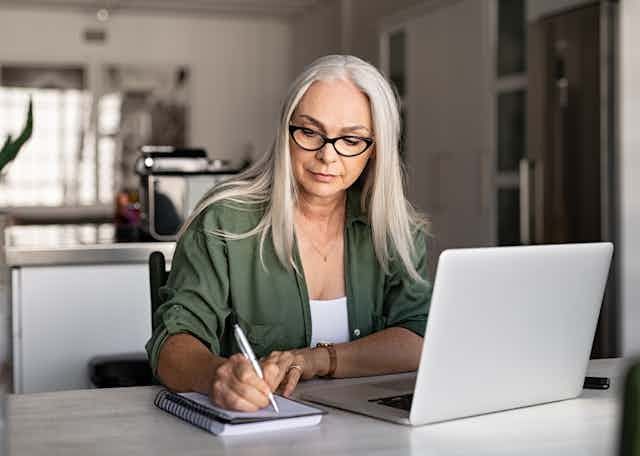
(596, 383)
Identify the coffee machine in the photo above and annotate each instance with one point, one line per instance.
(172, 181)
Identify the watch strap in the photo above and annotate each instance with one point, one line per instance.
(333, 359)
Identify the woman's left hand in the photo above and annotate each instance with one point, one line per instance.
(283, 369)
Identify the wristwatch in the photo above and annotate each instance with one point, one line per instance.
(333, 359)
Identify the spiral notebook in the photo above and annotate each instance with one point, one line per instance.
(195, 408)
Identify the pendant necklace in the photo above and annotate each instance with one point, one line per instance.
(324, 256)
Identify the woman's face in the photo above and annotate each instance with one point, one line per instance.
(332, 108)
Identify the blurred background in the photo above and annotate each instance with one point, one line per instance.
(518, 129)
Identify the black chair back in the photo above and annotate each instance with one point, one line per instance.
(157, 278)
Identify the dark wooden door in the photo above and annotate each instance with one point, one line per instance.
(567, 123)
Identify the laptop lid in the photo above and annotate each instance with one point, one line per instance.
(509, 327)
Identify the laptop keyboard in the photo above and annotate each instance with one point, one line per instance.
(399, 386)
(402, 402)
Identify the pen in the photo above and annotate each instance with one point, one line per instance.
(245, 347)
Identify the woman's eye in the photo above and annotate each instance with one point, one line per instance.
(308, 132)
(352, 141)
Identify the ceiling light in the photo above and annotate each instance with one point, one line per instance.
(102, 15)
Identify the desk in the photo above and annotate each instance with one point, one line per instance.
(125, 422)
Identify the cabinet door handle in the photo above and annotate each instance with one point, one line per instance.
(526, 183)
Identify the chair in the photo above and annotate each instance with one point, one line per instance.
(114, 371)
(630, 429)
(158, 275)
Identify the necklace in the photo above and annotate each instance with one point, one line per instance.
(324, 255)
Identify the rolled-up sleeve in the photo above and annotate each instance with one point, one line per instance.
(406, 302)
(195, 298)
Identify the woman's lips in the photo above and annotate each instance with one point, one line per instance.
(320, 177)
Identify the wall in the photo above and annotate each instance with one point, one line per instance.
(366, 18)
(629, 147)
(240, 66)
(343, 26)
(316, 32)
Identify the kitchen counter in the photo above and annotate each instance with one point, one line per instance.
(129, 252)
(71, 287)
(75, 245)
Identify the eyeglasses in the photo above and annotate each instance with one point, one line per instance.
(311, 140)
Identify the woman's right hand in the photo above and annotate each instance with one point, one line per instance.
(236, 386)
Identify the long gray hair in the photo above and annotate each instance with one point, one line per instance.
(271, 181)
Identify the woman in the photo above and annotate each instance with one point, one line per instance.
(316, 243)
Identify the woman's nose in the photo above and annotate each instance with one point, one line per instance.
(327, 154)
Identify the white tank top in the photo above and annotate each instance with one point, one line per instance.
(329, 321)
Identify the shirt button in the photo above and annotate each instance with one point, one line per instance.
(356, 332)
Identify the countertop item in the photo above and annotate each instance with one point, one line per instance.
(125, 421)
(172, 182)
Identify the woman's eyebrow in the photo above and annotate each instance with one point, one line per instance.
(320, 126)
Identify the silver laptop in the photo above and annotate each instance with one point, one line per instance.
(508, 327)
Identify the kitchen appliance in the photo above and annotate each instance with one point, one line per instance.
(172, 181)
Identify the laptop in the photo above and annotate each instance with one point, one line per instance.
(508, 327)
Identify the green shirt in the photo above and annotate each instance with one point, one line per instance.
(211, 278)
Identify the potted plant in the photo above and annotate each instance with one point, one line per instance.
(10, 147)
(8, 152)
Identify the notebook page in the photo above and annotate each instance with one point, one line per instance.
(288, 408)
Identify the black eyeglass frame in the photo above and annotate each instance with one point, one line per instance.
(332, 141)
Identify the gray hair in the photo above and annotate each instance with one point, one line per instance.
(271, 180)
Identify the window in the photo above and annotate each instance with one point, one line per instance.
(86, 139)
(57, 166)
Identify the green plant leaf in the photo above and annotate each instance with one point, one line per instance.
(11, 148)
(28, 127)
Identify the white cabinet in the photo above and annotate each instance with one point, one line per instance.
(449, 126)
(64, 315)
(448, 122)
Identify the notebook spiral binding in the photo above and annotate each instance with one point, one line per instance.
(189, 411)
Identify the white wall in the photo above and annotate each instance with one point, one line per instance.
(365, 21)
(630, 174)
(240, 66)
(316, 32)
(343, 26)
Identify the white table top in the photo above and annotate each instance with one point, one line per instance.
(124, 422)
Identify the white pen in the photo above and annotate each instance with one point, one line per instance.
(245, 347)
